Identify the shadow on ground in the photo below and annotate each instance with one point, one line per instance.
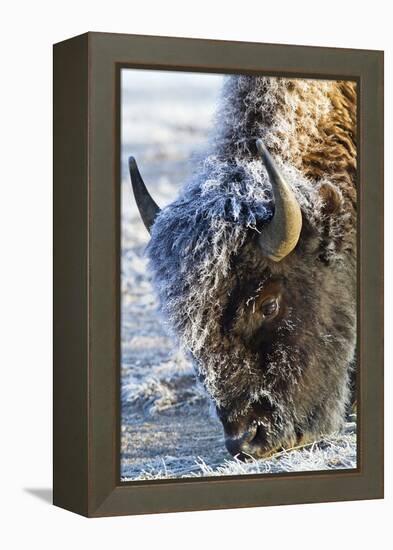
(46, 495)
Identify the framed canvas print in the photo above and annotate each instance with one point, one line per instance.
(218, 260)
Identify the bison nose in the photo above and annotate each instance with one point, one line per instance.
(246, 443)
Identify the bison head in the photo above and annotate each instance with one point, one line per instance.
(252, 289)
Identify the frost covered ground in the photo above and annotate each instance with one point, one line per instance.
(167, 429)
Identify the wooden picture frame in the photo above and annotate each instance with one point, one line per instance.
(86, 274)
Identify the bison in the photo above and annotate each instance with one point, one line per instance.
(254, 263)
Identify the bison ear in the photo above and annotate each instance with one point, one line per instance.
(331, 235)
(331, 199)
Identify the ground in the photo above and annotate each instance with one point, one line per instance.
(167, 425)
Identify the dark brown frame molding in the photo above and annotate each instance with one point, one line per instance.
(86, 274)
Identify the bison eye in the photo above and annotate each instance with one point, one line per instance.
(269, 307)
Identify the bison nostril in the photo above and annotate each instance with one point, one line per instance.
(251, 443)
(249, 435)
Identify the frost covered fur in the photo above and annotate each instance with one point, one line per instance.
(290, 376)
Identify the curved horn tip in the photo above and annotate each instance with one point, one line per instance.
(266, 157)
(132, 162)
(261, 146)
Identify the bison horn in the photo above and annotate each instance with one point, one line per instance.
(281, 235)
(146, 205)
